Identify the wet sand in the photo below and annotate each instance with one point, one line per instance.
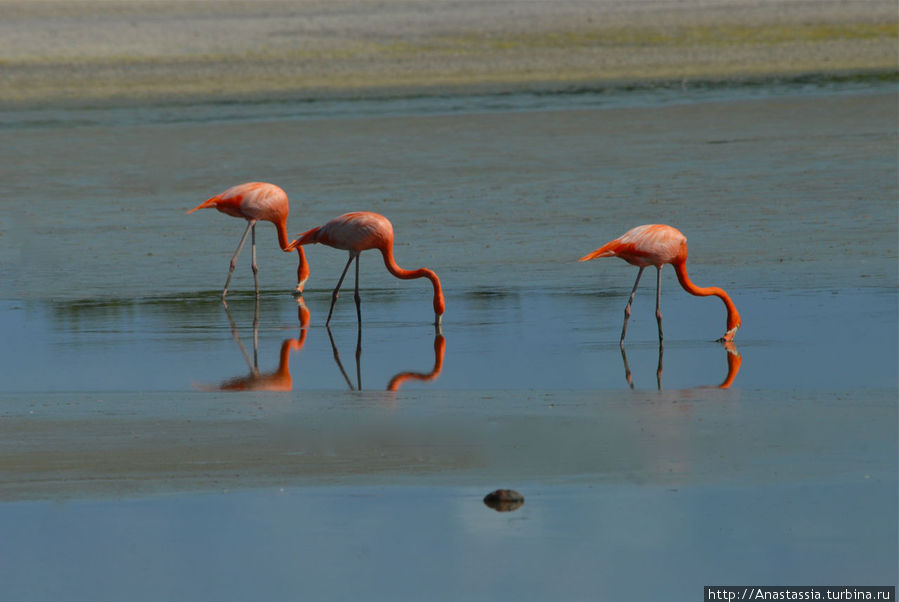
(132, 445)
(117, 51)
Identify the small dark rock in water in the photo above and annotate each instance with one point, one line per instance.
(504, 500)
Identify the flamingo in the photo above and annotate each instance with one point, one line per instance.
(658, 244)
(255, 201)
(359, 231)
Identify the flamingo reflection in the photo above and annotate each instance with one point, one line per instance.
(280, 379)
(399, 379)
(336, 353)
(439, 351)
(734, 360)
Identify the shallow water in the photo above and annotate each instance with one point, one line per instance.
(504, 341)
(401, 541)
(143, 423)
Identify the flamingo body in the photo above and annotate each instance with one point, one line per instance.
(360, 231)
(254, 201)
(354, 232)
(643, 246)
(657, 245)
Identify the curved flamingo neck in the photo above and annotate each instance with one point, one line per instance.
(733, 316)
(283, 241)
(393, 268)
(288, 246)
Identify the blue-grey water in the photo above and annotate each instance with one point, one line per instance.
(156, 444)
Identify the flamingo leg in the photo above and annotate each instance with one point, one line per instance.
(256, 335)
(659, 302)
(358, 354)
(627, 368)
(357, 298)
(253, 264)
(336, 294)
(243, 239)
(254, 368)
(337, 359)
(627, 308)
(659, 368)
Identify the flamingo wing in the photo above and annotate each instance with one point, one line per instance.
(650, 244)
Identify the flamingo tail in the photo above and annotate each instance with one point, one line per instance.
(308, 237)
(210, 204)
(607, 250)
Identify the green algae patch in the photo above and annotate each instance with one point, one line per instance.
(699, 35)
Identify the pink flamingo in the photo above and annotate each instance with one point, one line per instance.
(255, 201)
(360, 231)
(657, 244)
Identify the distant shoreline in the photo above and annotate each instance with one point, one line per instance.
(877, 78)
(114, 52)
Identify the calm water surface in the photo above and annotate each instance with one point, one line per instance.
(156, 443)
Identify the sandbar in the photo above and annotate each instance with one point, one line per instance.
(126, 51)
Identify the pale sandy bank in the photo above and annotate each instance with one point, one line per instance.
(124, 50)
